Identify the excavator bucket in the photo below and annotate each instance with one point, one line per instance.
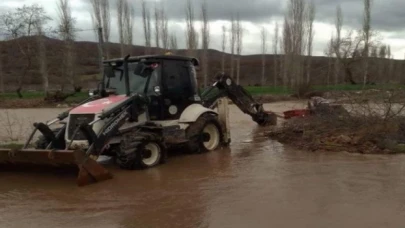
(89, 171)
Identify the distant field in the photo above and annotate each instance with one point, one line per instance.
(345, 87)
(36, 95)
(254, 90)
(284, 90)
(258, 90)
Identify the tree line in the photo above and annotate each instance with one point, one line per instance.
(291, 41)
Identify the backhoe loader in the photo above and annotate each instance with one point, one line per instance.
(143, 106)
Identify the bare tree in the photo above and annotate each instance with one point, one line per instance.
(164, 27)
(390, 63)
(101, 19)
(366, 37)
(232, 45)
(192, 35)
(311, 18)
(355, 47)
(382, 54)
(338, 26)
(223, 48)
(205, 33)
(286, 47)
(295, 35)
(98, 25)
(120, 23)
(389, 51)
(67, 32)
(239, 44)
(42, 58)
(173, 42)
(275, 52)
(346, 51)
(22, 22)
(96, 15)
(374, 52)
(264, 51)
(146, 27)
(1, 72)
(402, 68)
(128, 18)
(157, 26)
(329, 53)
(106, 22)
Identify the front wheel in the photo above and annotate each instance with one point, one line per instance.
(205, 134)
(211, 137)
(141, 150)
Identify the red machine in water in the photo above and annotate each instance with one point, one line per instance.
(143, 105)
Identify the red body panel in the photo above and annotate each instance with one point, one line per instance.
(296, 113)
(98, 105)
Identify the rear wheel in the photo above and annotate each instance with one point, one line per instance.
(204, 135)
(141, 150)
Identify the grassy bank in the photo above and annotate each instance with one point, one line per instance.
(40, 95)
(11, 145)
(34, 99)
(333, 128)
(259, 90)
(254, 90)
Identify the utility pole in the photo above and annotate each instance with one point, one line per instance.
(100, 50)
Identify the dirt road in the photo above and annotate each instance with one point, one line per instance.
(255, 183)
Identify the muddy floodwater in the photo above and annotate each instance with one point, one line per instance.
(256, 182)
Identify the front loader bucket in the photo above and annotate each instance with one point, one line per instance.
(89, 171)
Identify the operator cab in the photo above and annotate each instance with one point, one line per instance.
(170, 82)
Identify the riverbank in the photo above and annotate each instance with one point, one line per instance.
(364, 132)
(262, 94)
(295, 188)
(41, 103)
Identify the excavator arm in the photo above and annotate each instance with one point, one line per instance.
(226, 87)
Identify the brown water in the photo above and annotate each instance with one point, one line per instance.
(256, 182)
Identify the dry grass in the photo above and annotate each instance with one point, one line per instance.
(24, 103)
(354, 134)
(14, 128)
(364, 127)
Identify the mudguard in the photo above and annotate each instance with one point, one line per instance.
(192, 112)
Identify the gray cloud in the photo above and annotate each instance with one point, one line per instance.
(252, 10)
(387, 17)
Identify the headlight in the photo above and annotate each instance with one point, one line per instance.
(156, 89)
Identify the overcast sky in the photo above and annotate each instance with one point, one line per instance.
(387, 18)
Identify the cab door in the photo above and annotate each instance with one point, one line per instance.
(153, 92)
(178, 91)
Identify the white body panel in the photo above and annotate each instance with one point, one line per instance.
(189, 115)
(192, 112)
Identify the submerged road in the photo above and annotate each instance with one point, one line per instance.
(256, 182)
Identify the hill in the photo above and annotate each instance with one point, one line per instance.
(16, 64)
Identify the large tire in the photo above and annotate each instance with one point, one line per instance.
(197, 132)
(42, 143)
(141, 150)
